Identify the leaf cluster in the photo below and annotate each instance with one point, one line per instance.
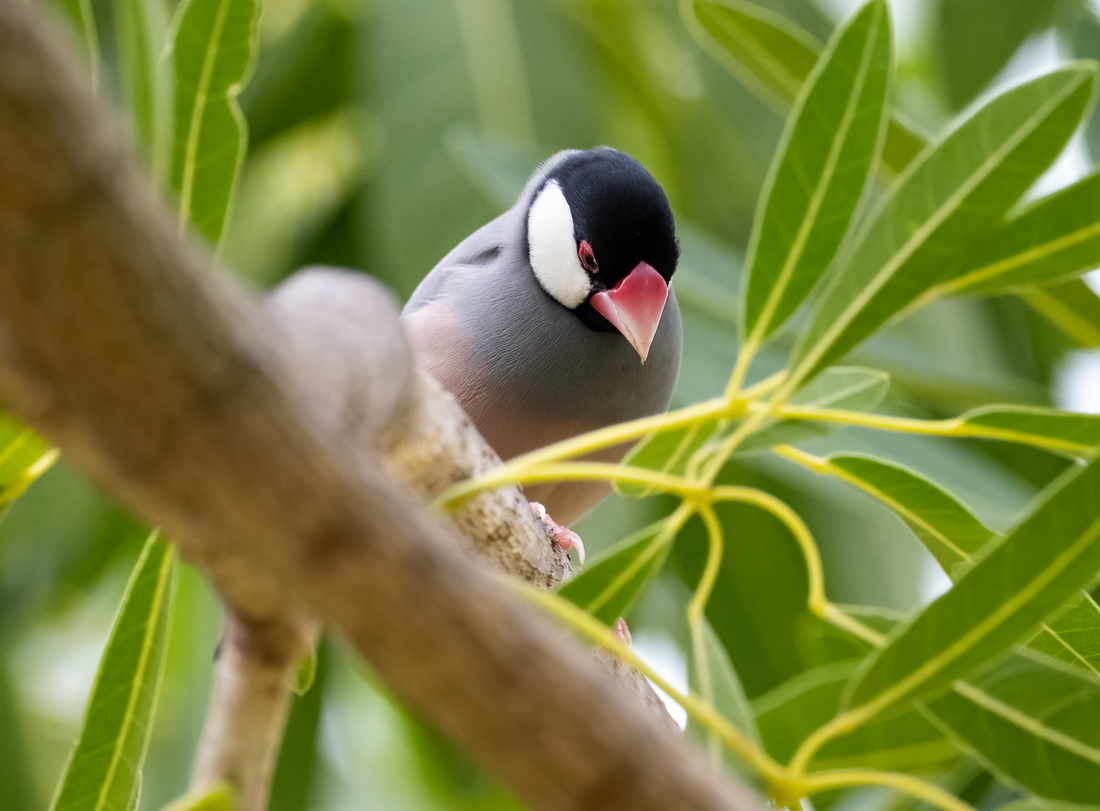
(862, 222)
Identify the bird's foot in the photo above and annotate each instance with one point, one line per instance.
(621, 631)
(562, 536)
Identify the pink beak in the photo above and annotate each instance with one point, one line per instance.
(634, 306)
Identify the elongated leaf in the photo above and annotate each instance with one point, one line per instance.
(712, 677)
(1071, 306)
(852, 388)
(1055, 238)
(819, 172)
(759, 619)
(1053, 553)
(762, 49)
(214, 43)
(218, 797)
(104, 769)
(974, 48)
(1035, 725)
(948, 193)
(670, 452)
(1073, 637)
(24, 456)
(1019, 752)
(773, 56)
(1059, 430)
(1040, 804)
(793, 710)
(17, 790)
(1033, 728)
(141, 27)
(788, 714)
(839, 387)
(609, 586)
(955, 537)
(1063, 432)
(305, 674)
(946, 528)
(845, 387)
(906, 742)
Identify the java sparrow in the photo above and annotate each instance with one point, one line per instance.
(557, 317)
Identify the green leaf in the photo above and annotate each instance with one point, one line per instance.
(851, 388)
(762, 49)
(949, 193)
(17, 790)
(300, 763)
(1071, 306)
(218, 797)
(1053, 239)
(907, 742)
(955, 538)
(668, 451)
(104, 770)
(1063, 431)
(787, 715)
(1053, 553)
(974, 48)
(1073, 638)
(305, 673)
(712, 677)
(1040, 804)
(141, 30)
(820, 171)
(24, 456)
(214, 46)
(609, 586)
(1034, 725)
(946, 528)
(757, 617)
(773, 57)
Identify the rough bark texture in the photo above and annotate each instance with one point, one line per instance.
(170, 386)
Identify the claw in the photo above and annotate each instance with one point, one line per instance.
(622, 631)
(567, 539)
(562, 536)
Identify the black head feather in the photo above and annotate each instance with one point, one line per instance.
(622, 213)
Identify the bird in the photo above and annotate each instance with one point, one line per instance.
(558, 317)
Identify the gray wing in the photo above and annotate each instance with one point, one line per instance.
(476, 251)
(502, 238)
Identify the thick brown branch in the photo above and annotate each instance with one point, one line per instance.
(163, 382)
(327, 318)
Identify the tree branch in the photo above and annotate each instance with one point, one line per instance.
(175, 390)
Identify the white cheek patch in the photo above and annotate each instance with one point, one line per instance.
(553, 249)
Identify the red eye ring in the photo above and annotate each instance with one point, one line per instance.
(587, 257)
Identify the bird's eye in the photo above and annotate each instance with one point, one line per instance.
(587, 257)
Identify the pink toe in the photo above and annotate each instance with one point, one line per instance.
(622, 631)
(562, 536)
(567, 539)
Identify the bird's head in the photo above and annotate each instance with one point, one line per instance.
(602, 242)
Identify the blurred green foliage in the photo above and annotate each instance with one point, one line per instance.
(381, 132)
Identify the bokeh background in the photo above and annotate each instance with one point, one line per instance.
(384, 131)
